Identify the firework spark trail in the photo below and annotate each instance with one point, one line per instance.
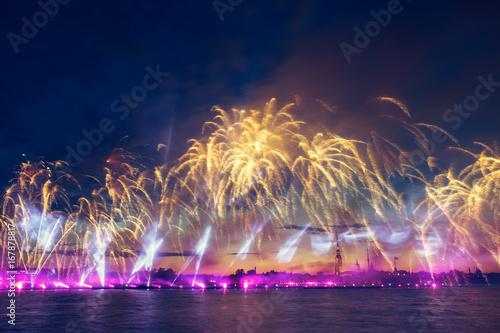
(256, 166)
(465, 203)
(240, 168)
(37, 203)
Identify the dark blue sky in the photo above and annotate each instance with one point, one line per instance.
(64, 80)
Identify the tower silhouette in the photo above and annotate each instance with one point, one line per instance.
(370, 266)
(367, 259)
(338, 257)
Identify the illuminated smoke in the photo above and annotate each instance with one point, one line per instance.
(287, 251)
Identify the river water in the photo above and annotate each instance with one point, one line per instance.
(283, 310)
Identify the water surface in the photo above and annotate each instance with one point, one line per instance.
(294, 310)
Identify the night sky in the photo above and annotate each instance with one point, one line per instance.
(64, 79)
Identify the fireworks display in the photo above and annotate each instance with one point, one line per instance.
(257, 173)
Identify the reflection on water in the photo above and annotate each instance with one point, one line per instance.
(299, 310)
